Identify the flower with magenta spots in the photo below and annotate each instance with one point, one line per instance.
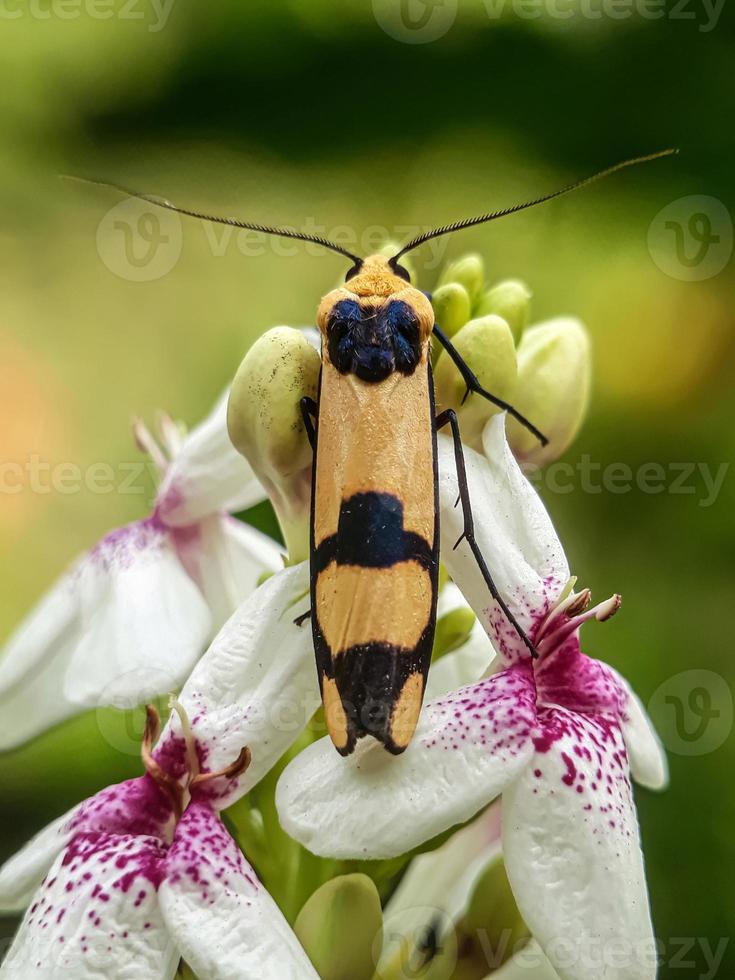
(150, 857)
(130, 618)
(557, 736)
(145, 873)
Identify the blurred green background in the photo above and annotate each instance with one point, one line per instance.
(330, 112)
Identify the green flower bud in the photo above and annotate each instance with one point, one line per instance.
(451, 304)
(487, 346)
(554, 369)
(341, 928)
(265, 425)
(509, 299)
(469, 271)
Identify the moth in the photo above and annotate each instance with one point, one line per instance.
(375, 515)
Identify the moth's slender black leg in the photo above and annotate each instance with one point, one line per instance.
(470, 379)
(308, 413)
(449, 417)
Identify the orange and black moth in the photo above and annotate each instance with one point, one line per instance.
(375, 514)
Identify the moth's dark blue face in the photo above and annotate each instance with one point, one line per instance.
(372, 341)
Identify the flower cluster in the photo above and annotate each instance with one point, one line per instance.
(509, 816)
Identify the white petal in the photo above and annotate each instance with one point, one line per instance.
(514, 533)
(138, 625)
(97, 915)
(436, 888)
(226, 559)
(225, 923)
(22, 874)
(466, 749)
(465, 665)
(49, 625)
(257, 683)
(527, 964)
(208, 475)
(34, 664)
(647, 756)
(572, 852)
(143, 622)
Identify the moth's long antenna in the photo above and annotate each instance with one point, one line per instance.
(219, 219)
(491, 216)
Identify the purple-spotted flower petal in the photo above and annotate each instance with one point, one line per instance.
(572, 851)
(96, 912)
(128, 621)
(467, 749)
(24, 872)
(128, 891)
(255, 687)
(145, 872)
(218, 913)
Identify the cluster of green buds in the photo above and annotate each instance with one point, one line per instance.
(543, 370)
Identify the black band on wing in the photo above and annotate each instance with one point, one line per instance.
(370, 534)
(370, 677)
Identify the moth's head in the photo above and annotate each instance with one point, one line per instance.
(377, 323)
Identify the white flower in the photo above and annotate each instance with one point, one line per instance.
(556, 736)
(144, 872)
(130, 618)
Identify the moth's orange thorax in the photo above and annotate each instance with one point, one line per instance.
(374, 285)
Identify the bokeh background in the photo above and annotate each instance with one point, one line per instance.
(355, 117)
